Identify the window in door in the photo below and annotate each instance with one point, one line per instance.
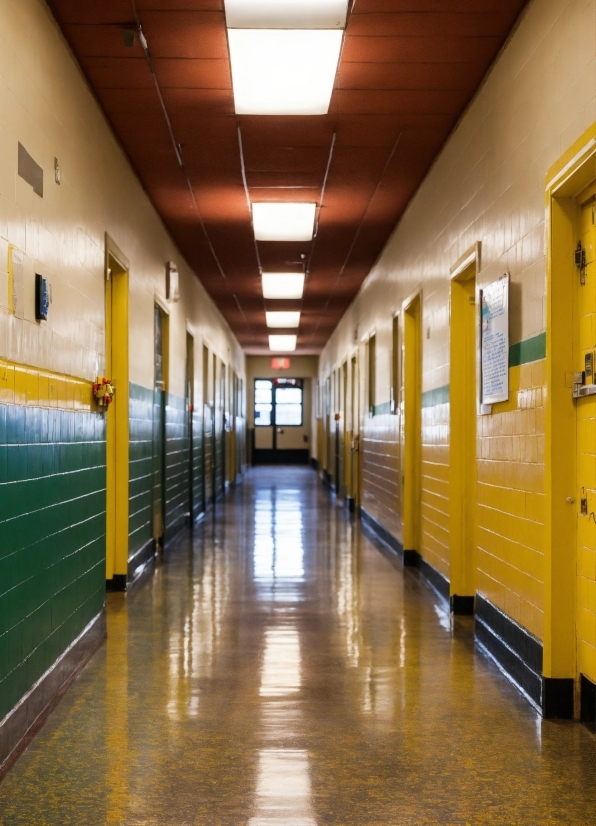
(288, 402)
(279, 402)
(263, 402)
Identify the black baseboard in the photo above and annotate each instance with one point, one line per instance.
(146, 553)
(281, 457)
(326, 478)
(409, 558)
(587, 712)
(519, 654)
(181, 524)
(463, 606)
(439, 582)
(351, 504)
(382, 533)
(26, 718)
(119, 582)
(557, 698)
(314, 463)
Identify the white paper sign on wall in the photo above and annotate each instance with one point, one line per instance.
(16, 277)
(495, 341)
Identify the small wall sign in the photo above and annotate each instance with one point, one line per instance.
(494, 340)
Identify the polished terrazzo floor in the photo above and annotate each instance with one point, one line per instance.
(278, 670)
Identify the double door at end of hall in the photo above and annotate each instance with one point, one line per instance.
(281, 434)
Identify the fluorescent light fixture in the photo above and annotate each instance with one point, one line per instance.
(283, 71)
(284, 222)
(282, 344)
(282, 319)
(286, 14)
(283, 284)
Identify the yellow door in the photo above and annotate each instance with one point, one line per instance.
(585, 345)
(355, 405)
(412, 401)
(462, 444)
(345, 433)
(117, 430)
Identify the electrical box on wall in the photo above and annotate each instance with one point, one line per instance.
(42, 297)
(172, 282)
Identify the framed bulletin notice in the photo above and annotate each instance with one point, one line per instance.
(494, 341)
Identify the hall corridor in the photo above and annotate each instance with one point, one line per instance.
(280, 668)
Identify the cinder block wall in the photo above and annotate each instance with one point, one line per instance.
(487, 186)
(52, 437)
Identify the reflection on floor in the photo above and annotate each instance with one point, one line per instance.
(278, 670)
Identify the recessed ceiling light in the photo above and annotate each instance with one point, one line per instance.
(282, 344)
(283, 284)
(284, 222)
(283, 71)
(286, 14)
(282, 319)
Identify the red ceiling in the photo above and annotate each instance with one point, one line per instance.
(408, 69)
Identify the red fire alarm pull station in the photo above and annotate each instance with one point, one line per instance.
(280, 364)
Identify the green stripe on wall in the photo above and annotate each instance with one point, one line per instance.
(532, 349)
(382, 409)
(432, 398)
(524, 352)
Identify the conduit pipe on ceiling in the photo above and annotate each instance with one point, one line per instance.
(179, 157)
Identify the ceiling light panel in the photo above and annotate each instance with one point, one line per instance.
(283, 221)
(282, 319)
(286, 14)
(283, 284)
(282, 344)
(283, 72)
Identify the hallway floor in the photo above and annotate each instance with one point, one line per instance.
(279, 670)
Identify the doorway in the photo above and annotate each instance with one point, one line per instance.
(355, 433)
(223, 418)
(462, 443)
(336, 437)
(281, 422)
(412, 369)
(344, 447)
(160, 339)
(583, 360)
(117, 419)
(207, 433)
(193, 493)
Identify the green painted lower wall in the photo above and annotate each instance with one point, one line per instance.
(177, 464)
(197, 465)
(183, 465)
(52, 538)
(140, 451)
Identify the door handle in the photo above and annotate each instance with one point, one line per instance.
(280, 430)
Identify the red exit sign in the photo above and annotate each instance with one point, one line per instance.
(280, 364)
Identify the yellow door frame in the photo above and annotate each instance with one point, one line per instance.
(565, 179)
(355, 483)
(462, 433)
(345, 434)
(117, 415)
(412, 419)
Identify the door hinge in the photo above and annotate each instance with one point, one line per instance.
(580, 262)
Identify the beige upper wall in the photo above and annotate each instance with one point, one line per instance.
(487, 185)
(47, 106)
